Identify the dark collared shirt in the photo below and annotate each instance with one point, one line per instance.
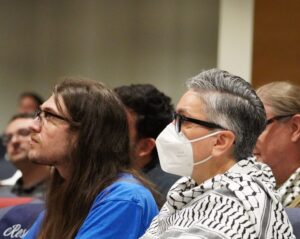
(37, 191)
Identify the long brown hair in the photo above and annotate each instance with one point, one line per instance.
(100, 154)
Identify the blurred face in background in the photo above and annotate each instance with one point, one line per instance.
(27, 105)
(17, 139)
(140, 147)
(272, 146)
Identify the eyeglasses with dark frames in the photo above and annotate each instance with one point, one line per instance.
(277, 117)
(178, 118)
(6, 138)
(41, 115)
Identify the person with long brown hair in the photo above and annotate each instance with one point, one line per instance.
(82, 131)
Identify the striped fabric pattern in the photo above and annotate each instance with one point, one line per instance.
(241, 203)
(290, 190)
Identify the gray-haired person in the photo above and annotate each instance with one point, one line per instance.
(224, 193)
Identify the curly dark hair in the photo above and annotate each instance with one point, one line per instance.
(153, 109)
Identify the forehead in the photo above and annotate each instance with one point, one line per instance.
(190, 103)
(28, 100)
(269, 111)
(51, 105)
(17, 124)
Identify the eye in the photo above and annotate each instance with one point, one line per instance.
(48, 115)
(186, 124)
(24, 132)
(6, 139)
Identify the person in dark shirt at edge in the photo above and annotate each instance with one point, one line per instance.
(149, 111)
(28, 102)
(34, 177)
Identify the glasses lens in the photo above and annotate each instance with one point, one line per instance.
(278, 117)
(37, 113)
(6, 139)
(24, 132)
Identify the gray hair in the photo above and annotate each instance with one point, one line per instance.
(232, 103)
(283, 97)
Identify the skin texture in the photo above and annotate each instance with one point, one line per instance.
(278, 146)
(140, 148)
(52, 140)
(218, 146)
(27, 105)
(18, 147)
(18, 153)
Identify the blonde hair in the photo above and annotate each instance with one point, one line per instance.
(283, 97)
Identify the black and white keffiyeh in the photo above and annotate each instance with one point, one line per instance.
(241, 203)
(290, 189)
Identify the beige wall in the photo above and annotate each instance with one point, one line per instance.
(236, 37)
(162, 42)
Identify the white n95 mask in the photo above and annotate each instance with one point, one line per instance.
(175, 151)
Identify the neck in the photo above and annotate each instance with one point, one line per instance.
(139, 163)
(63, 171)
(211, 168)
(287, 164)
(284, 172)
(35, 174)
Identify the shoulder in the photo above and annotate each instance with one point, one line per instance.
(127, 188)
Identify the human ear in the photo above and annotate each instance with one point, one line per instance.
(142, 152)
(295, 128)
(223, 143)
(144, 147)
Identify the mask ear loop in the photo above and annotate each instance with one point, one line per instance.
(203, 137)
(203, 160)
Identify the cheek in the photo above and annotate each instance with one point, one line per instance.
(264, 141)
(269, 148)
(9, 149)
(201, 150)
(191, 132)
(26, 144)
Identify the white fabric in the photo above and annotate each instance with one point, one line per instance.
(12, 180)
(290, 189)
(241, 203)
(175, 151)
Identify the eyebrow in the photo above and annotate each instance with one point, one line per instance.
(182, 110)
(50, 110)
(185, 112)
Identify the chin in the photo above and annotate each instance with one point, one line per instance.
(33, 156)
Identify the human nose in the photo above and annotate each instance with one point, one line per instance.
(36, 125)
(14, 138)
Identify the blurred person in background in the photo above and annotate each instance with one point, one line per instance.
(82, 131)
(224, 193)
(29, 102)
(279, 144)
(7, 170)
(33, 179)
(149, 111)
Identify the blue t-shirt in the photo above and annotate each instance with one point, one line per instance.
(124, 209)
